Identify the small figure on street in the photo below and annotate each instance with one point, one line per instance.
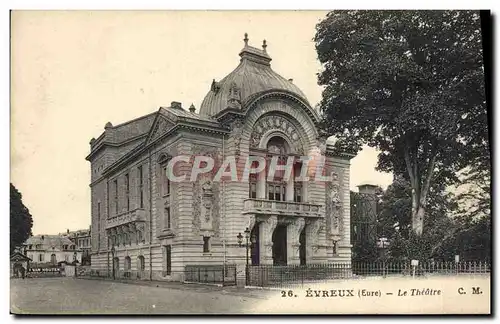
(22, 270)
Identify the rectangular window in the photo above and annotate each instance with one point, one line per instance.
(115, 184)
(253, 190)
(141, 188)
(206, 244)
(127, 190)
(297, 194)
(276, 191)
(168, 221)
(168, 253)
(40, 257)
(166, 181)
(297, 197)
(270, 191)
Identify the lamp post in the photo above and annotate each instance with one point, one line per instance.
(113, 259)
(248, 245)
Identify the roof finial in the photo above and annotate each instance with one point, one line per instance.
(264, 45)
(246, 39)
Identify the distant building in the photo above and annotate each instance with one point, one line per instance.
(51, 249)
(18, 261)
(81, 238)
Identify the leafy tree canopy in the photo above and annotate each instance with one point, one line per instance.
(21, 221)
(411, 84)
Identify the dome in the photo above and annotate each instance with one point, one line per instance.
(251, 76)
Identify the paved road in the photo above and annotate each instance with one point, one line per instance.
(80, 296)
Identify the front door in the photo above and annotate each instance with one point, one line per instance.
(116, 266)
(279, 245)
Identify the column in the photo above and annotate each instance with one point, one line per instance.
(293, 231)
(266, 230)
(261, 185)
(261, 180)
(290, 186)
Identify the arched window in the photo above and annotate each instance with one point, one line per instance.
(276, 189)
(141, 265)
(53, 259)
(127, 263)
(277, 146)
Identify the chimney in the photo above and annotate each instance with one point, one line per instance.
(176, 104)
(290, 80)
(67, 231)
(43, 237)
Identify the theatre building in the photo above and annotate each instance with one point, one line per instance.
(145, 225)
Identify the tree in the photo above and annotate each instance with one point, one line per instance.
(21, 221)
(411, 84)
(395, 219)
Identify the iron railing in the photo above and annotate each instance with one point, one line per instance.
(207, 274)
(214, 274)
(298, 275)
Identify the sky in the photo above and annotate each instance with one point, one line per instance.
(71, 72)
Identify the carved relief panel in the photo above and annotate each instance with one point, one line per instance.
(206, 196)
(333, 208)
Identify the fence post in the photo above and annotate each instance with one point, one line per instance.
(302, 275)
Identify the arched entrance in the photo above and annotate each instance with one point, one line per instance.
(53, 259)
(254, 248)
(16, 269)
(302, 248)
(116, 266)
(140, 266)
(279, 245)
(127, 266)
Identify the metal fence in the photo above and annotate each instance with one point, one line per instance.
(214, 274)
(207, 274)
(298, 275)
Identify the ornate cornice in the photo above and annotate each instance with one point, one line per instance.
(251, 101)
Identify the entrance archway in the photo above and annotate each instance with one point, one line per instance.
(279, 245)
(116, 265)
(302, 248)
(254, 248)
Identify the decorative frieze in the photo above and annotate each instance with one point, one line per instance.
(269, 123)
(161, 127)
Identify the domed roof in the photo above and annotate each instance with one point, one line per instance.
(251, 76)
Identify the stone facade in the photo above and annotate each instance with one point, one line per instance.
(151, 227)
(51, 249)
(81, 239)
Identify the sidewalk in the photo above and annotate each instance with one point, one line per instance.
(198, 287)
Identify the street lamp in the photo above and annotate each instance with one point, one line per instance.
(248, 245)
(113, 259)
